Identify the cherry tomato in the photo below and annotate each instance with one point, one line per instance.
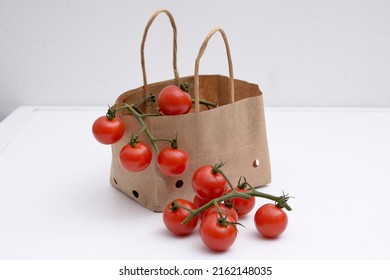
(243, 206)
(172, 162)
(224, 210)
(199, 202)
(135, 158)
(207, 184)
(174, 101)
(270, 220)
(216, 235)
(108, 131)
(174, 216)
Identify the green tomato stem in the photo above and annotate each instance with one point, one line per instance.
(218, 170)
(164, 140)
(150, 98)
(175, 205)
(230, 195)
(280, 200)
(145, 128)
(208, 104)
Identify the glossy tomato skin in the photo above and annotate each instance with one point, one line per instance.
(172, 162)
(136, 158)
(108, 131)
(199, 202)
(174, 101)
(270, 220)
(224, 210)
(173, 218)
(208, 185)
(243, 206)
(216, 236)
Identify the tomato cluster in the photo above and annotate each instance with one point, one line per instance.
(219, 207)
(136, 155)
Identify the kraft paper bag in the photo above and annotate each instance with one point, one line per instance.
(234, 132)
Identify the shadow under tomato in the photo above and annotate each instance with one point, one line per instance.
(202, 248)
(257, 235)
(167, 234)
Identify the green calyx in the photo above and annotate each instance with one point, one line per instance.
(134, 139)
(184, 87)
(174, 206)
(282, 202)
(174, 144)
(111, 113)
(222, 221)
(244, 185)
(216, 168)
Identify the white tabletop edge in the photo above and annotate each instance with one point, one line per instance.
(12, 123)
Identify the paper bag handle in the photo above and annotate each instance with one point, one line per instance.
(152, 18)
(230, 64)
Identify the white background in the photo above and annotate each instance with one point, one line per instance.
(301, 53)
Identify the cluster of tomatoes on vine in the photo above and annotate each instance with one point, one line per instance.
(218, 205)
(136, 155)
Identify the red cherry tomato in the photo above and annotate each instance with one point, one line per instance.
(172, 162)
(207, 184)
(217, 236)
(270, 220)
(243, 206)
(224, 210)
(199, 202)
(108, 131)
(174, 101)
(135, 158)
(174, 216)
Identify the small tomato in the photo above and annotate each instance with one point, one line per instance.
(270, 220)
(172, 162)
(174, 101)
(135, 158)
(207, 184)
(108, 131)
(174, 215)
(217, 235)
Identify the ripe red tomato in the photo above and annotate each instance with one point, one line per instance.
(243, 206)
(216, 236)
(224, 209)
(173, 217)
(108, 131)
(135, 158)
(270, 220)
(207, 184)
(174, 101)
(172, 162)
(199, 202)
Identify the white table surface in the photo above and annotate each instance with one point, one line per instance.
(56, 201)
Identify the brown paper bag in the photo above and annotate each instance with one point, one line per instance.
(234, 132)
